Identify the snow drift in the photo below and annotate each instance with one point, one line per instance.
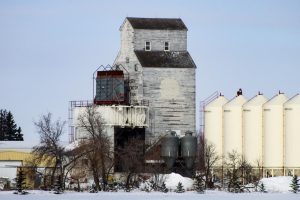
(171, 181)
(277, 184)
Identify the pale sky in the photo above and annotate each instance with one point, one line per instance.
(49, 49)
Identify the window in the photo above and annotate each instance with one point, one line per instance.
(147, 46)
(167, 47)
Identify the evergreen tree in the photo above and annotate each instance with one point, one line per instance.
(11, 127)
(153, 186)
(295, 185)
(179, 188)
(199, 184)
(163, 188)
(262, 188)
(3, 124)
(8, 128)
(19, 135)
(20, 181)
(234, 184)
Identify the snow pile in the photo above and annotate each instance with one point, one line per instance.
(71, 146)
(277, 184)
(173, 179)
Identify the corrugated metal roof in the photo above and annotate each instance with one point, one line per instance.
(167, 59)
(157, 23)
(14, 155)
(25, 157)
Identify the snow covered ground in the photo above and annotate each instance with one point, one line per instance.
(209, 195)
(278, 188)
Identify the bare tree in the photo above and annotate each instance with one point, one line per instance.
(208, 158)
(72, 162)
(97, 146)
(78, 172)
(200, 158)
(50, 149)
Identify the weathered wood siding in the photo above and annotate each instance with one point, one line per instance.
(129, 61)
(171, 93)
(176, 38)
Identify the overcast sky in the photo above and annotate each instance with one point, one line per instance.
(49, 49)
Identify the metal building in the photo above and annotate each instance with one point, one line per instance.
(273, 135)
(253, 130)
(292, 135)
(264, 132)
(232, 129)
(213, 129)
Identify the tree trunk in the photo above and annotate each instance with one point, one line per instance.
(78, 185)
(103, 171)
(128, 180)
(53, 174)
(96, 180)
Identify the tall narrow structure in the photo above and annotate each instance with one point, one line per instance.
(213, 128)
(232, 132)
(292, 135)
(273, 151)
(162, 72)
(253, 130)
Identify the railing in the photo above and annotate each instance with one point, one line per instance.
(204, 103)
(82, 103)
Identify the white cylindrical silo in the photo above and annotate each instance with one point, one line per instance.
(292, 132)
(232, 125)
(213, 123)
(252, 129)
(273, 132)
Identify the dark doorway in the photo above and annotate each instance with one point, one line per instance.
(129, 148)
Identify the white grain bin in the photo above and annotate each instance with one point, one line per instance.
(213, 123)
(252, 129)
(292, 132)
(273, 132)
(232, 127)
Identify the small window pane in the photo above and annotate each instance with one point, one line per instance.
(167, 46)
(148, 46)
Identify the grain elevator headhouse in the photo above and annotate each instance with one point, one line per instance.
(161, 73)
